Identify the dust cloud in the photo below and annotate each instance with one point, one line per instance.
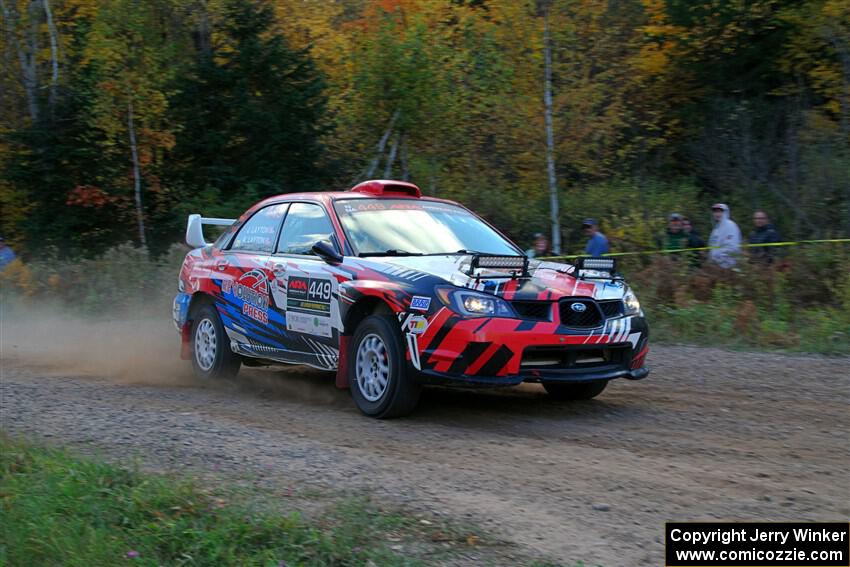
(141, 348)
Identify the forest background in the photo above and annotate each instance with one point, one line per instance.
(118, 118)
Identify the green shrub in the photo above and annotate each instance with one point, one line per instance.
(800, 303)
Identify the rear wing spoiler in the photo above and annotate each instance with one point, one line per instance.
(195, 229)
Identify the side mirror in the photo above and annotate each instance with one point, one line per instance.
(326, 251)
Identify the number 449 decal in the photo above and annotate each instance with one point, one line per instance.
(320, 290)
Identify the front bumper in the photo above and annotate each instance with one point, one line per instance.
(436, 378)
(505, 352)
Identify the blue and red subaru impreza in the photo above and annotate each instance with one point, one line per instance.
(392, 290)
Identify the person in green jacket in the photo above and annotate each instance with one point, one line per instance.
(677, 238)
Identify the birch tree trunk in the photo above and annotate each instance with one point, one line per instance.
(382, 143)
(30, 68)
(137, 173)
(54, 53)
(405, 171)
(388, 170)
(554, 213)
(203, 30)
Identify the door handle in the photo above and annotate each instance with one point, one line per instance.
(221, 265)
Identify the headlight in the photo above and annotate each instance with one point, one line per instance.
(631, 303)
(475, 304)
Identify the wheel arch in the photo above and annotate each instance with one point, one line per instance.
(366, 305)
(362, 308)
(199, 298)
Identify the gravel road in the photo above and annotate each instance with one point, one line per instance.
(710, 435)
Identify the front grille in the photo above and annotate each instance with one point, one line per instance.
(611, 308)
(590, 317)
(533, 310)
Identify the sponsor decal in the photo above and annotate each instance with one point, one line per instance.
(419, 303)
(308, 305)
(310, 324)
(252, 288)
(417, 324)
(413, 349)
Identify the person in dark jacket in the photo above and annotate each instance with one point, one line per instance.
(677, 238)
(695, 239)
(674, 238)
(764, 233)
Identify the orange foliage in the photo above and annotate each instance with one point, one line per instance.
(90, 196)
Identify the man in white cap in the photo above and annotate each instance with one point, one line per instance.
(725, 238)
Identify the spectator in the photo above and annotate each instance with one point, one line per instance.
(540, 246)
(597, 244)
(695, 238)
(6, 254)
(764, 233)
(694, 241)
(676, 238)
(725, 238)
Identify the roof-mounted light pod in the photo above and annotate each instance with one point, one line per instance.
(387, 187)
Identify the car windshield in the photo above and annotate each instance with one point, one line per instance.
(411, 227)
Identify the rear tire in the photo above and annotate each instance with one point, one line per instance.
(382, 384)
(577, 391)
(212, 358)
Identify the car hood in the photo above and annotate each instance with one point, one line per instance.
(546, 280)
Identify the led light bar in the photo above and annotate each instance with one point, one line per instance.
(598, 264)
(504, 262)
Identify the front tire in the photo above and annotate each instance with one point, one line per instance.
(381, 384)
(577, 391)
(211, 354)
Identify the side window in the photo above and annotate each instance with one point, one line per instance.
(259, 232)
(305, 225)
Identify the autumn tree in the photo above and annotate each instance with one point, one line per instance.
(251, 110)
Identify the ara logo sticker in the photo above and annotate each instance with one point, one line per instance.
(419, 303)
(417, 324)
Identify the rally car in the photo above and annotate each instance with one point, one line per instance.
(392, 290)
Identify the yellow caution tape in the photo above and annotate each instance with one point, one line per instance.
(677, 250)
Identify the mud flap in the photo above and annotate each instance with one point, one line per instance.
(342, 366)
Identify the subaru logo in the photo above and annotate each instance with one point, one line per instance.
(578, 307)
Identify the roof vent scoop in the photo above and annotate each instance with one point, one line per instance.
(387, 187)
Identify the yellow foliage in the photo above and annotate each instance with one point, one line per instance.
(17, 276)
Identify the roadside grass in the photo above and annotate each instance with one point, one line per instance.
(824, 331)
(800, 305)
(57, 509)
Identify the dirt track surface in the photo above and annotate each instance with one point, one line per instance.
(710, 435)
